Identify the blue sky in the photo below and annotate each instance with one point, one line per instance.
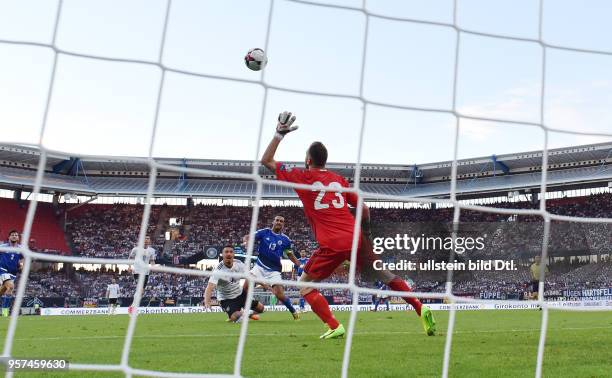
(101, 107)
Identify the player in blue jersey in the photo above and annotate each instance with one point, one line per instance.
(382, 297)
(303, 259)
(272, 245)
(11, 263)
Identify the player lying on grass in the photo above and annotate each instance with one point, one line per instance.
(11, 263)
(230, 293)
(272, 245)
(332, 224)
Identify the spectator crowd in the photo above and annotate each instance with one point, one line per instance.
(111, 231)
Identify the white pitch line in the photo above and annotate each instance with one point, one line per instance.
(169, 336)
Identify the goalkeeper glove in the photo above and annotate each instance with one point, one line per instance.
(284, 126)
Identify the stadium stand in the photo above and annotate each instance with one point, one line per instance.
(111, 231)
(108, 230)
(92, 284)
(579, 253)
(47, 233)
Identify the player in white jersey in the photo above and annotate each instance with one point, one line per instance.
(231, 296)
(112, 293)
(148, 258)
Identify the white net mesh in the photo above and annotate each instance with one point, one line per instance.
(351, 285)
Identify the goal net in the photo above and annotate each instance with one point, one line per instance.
(365, 13)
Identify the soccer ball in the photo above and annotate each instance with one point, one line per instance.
(256, 59)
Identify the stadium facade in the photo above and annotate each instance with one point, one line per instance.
(579, 167)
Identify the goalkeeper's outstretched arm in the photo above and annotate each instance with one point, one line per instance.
(267, 160)
(283, 127)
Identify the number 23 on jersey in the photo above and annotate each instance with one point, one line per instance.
(337, 202)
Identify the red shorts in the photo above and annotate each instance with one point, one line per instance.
(324, 262)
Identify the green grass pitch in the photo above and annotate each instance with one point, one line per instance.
(385, 344)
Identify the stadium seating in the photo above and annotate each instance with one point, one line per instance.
(112, 231)
(47, 234)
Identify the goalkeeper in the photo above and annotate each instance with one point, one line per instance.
(332, 223)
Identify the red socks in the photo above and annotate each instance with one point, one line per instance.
(319, 306)
(398, 284)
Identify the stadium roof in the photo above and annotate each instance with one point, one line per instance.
(579, 166)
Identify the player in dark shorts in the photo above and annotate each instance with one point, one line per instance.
(230, 306)
(232, 297)
(146, 279)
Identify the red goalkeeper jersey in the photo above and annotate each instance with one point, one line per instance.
(326, 211)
